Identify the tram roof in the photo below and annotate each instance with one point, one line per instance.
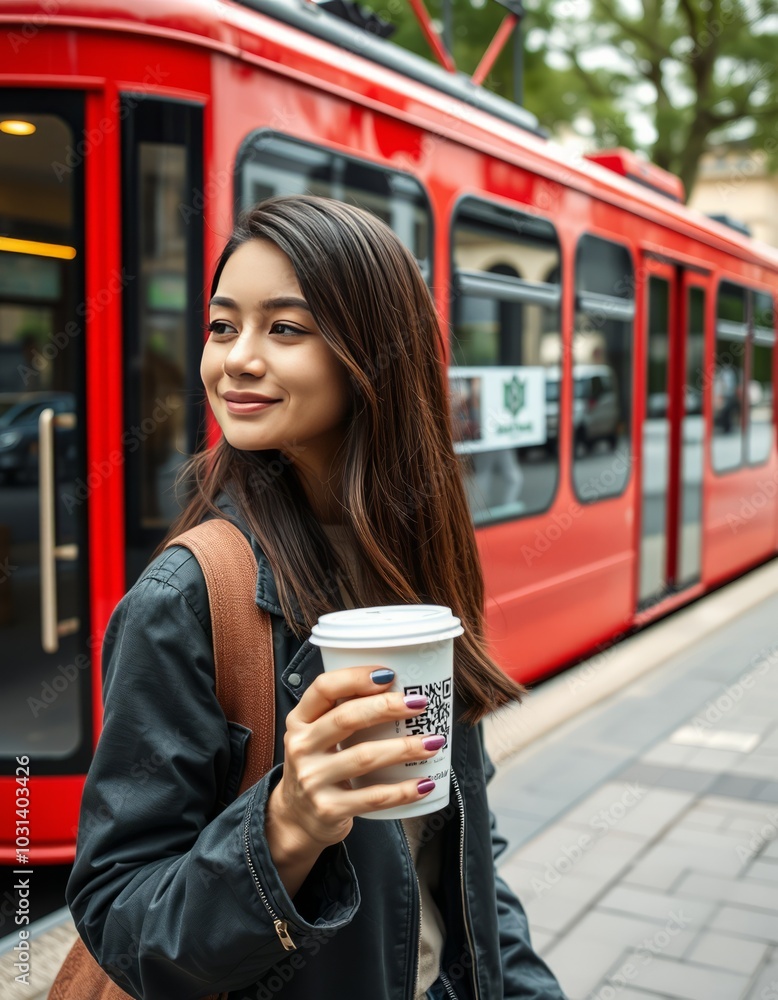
(310, 17)
(215, 23)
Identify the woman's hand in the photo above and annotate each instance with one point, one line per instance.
(314, 805)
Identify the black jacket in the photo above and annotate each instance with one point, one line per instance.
(174, 890)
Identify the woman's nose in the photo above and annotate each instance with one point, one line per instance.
(245, 358)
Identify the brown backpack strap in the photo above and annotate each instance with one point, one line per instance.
(242, 637)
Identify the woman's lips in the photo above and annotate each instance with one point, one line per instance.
(248, 406)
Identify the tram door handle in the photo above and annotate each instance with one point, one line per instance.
(52, 629)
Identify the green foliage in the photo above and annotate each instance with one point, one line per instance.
(671, 77)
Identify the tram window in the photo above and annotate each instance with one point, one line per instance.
(602, 368)
(163, 246)
(729, 377)
(45, 710)
(269, 164)
(760, 386)
(506, 356)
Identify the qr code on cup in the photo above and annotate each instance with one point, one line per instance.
(434, 718)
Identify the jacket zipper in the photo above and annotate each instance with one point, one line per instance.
(466, 911)
(418, 890)
(280, 925)
(449, 988)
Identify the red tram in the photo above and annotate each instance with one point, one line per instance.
(611, 355)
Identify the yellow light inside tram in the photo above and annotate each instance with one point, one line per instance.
(14, 127)
(38, 249)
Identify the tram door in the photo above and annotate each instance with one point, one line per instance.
(44, 689)
(672, 434)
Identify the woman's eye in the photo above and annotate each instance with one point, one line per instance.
(220, 328)
(285, 330)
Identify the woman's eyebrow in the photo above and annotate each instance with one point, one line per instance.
(283, 302)
(267, 305)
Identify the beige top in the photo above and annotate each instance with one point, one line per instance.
(424, 844)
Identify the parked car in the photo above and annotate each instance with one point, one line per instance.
(595, 406)
(19, 436)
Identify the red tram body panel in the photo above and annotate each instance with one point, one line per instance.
(611, 356)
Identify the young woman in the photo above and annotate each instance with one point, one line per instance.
(324, 370)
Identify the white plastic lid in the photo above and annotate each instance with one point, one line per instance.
(393, 625)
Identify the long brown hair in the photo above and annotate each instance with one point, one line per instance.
(403, 497)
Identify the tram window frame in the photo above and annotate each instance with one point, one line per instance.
(262, 140)
(163, 122)
(763, 338)
(506, 289)
(619, 307)
(744, 330)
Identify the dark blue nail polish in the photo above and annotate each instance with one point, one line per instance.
(382, 676)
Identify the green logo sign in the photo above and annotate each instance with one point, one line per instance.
(513, 395)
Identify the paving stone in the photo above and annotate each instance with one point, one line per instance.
(621, 794)
(757, 765)
(663, 865)
(724, 890)
(766, 871)
(766, 985)
(662, 777)
(656, 809)
(702, 816)
(625, 994)
(685, 981)
(754, 924)
(736, 786)
(770, 741)
(726, 952)
(517, 829)
(561, 906)
(768, 792)
(666, 754)
(580, 963)
(559, 842)
(659, 873)
(721, 841)
(611, 856)
(742, 807)
(708, 759)
(530, 882)
(657, 907)
(755, 824)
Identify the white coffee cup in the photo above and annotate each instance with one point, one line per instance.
(416, 641)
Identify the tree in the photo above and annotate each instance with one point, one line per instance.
(673, 78)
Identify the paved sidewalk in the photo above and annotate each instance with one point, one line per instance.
(644, 832)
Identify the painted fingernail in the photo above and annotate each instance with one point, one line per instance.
(433, 742)
(425, 785)
(382, 676)
(415, 700)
